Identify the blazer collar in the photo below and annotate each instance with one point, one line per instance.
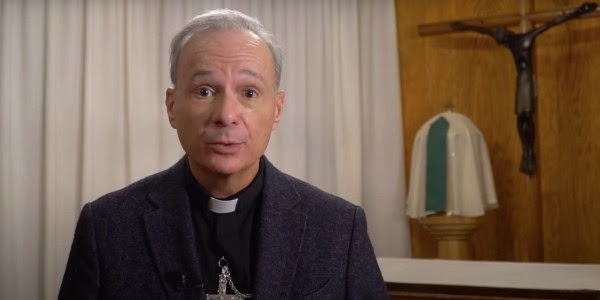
(280, 236)
(170, 232)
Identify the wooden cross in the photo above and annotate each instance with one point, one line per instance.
(520, 46)
(501, 21)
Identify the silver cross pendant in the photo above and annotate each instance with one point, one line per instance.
(224, 278)
(222, 291)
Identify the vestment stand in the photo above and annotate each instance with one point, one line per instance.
(453, 234)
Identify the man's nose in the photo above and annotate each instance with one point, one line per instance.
(227, 109)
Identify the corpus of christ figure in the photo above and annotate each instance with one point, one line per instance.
(520, 47)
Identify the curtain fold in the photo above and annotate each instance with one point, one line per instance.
(62, 130)
(22, 91)
(383, 181)
(82, 113)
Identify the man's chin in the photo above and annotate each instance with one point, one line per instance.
(226, 165)
(221, 165)
(226, 170)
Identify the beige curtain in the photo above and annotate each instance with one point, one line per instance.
(81, 114)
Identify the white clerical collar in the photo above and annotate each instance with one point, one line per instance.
(222, 206)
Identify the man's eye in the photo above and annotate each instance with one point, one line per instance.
(204, 91)
(250, 94)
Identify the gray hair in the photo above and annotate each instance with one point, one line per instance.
(223, 19)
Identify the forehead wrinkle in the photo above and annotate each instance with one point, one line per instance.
(213, 58)
(201, 73)
(211, 54)
(244, 71)
(252, 73)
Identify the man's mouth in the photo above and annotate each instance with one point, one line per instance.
(225, 147)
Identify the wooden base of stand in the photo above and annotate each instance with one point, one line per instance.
(453, 234)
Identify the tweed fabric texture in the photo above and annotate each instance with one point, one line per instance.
(138, 243)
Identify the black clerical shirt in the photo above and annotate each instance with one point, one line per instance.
(230, 235)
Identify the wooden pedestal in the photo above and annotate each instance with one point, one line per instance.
(453, 234)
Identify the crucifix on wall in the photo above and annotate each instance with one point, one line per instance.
(520, 45)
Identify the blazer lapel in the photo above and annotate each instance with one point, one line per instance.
(280, 235)
(170, 233)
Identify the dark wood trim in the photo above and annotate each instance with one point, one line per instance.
(430, 291)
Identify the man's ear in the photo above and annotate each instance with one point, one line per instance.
(170, 103)
(279, 104)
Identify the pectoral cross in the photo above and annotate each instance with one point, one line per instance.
(224, 279)
(222, 291)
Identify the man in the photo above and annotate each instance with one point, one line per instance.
(222, 219)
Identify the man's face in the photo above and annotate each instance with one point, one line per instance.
(225, 103)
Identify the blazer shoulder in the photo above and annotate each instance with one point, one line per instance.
(314, 201)
(137, 192)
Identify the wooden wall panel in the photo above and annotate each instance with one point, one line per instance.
(478, 77)
(568, 68)
(554, 215)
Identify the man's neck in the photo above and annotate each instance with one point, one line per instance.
(223, 186)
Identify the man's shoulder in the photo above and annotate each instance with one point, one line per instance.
(315, 195)
(138, 191)
(312, 199)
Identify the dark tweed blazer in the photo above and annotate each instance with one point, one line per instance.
(138, 243)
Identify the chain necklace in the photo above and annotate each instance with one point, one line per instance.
(224, 279)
